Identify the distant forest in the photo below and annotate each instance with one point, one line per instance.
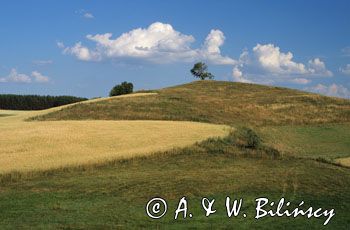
(35, 102)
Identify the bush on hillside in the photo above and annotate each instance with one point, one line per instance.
(237, 144)
(248, 138)
(123, 88)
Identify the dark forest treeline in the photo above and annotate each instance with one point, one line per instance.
(35, 102)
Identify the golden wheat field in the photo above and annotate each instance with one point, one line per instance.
(344, 161)
(28, 146)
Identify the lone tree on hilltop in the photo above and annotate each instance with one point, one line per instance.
(199, 70)
(123, 88)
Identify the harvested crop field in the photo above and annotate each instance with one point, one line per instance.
(27, 146)
(344, 161)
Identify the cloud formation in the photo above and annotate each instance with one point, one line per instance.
(81, 52)
(330, 90)
(85, 14)
(88, 15)
(211, 49)
(16, 77)
(39, 77)
(159, 43)
(272, 60)
(316, 67)
(345, 70)
(267, 64)
(238, 75)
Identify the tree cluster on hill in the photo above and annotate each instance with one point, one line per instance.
(35, 102)
(123, 88)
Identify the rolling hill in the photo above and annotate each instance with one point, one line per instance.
(301, 118)
(216, 102)
(302, 136)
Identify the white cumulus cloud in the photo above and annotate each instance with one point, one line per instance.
(16, 77)
(272, 60)
(82, 53)
(238, 75)
(267, 63)
(211, 48)
(318, 67)
(39, 77)
(330, 90)
(159, 43)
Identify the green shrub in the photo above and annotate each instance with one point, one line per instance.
(123, 88)
(242, 142)
(246, 137)
(253, 139)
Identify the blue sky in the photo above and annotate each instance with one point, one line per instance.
(83, 48)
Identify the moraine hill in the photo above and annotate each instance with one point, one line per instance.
(295, 129)
(216, 102)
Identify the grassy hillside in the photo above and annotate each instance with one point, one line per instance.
(328, 141)
(216, 102)
(294, 122)
(295, 127)
(114, 195)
